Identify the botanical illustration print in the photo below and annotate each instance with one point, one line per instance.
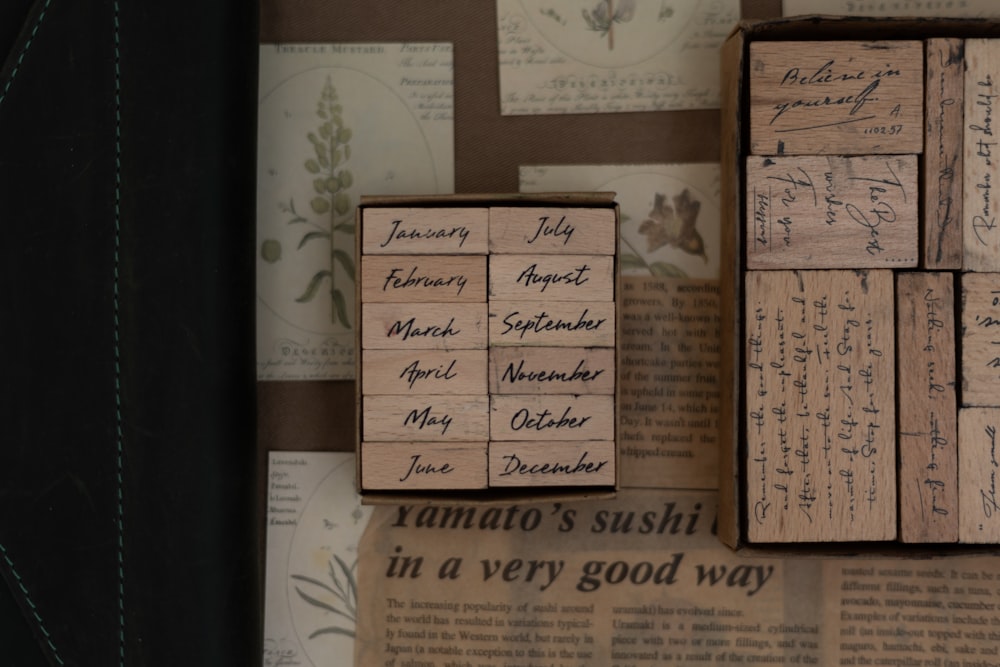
(606, 14)
(336, 122)
(668, 214)
(631, 30)
(339, 596)
(330, 202)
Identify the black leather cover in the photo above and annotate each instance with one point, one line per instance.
(128, 479)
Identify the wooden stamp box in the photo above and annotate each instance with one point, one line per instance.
(861, 302)
(487, 347)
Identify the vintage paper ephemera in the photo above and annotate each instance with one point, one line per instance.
(314, 524)
(950, 8)
(336, 121)
(600, 56)
(669, 255)
(643, 580)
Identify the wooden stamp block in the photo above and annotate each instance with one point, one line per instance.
(552, 370)
(928, 407)
(978, 475)
(836, 98)
(424, 278)
(981, 339)
(405, 466)
(815, 212)
(569, 231)
(590, 463)
(980, 233)
(424, 372)
(552, 277)
(423, 231)
(423, 326)
(552, 417)
(820, 406)
(942, 169)
(557, 324)
(426, 418)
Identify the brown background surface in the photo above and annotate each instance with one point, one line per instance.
(489, 148)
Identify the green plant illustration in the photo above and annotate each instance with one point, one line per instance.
(344, 592)
(606, 14)
(330, 203)
(552, 14)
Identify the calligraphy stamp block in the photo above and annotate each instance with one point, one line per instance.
(423, 278)
(980, 339)
(943, 152)
(590, 463)
(426, 418)
(557, 324)
(552, 277)
(820, 406)
(423, 326)
(405, 466)
(534, 230)
(836, 98)
(928, 407)
(818, 212)
(980, 233)
(422, 231)
(552, 417)
(978, 475)
(424, 372)
(547, 370)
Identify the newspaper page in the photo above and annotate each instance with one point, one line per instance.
(670, 337)
(641, 580)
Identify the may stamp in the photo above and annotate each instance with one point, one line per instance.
(488, 343)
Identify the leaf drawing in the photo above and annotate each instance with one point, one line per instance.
(329, 201)
(674, 226)
(606, 14)
(340, 593)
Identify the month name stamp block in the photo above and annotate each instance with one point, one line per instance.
(552, 277)
(817, 212)
(589, 463)
(424, 326)
(401, 466)
(544, 370)
(529, 230)
(557, 324)
(423, 372)
(426, 418)
(423, 278)
(928, 407)
(820, 406)
(552, 417)
(422, 231)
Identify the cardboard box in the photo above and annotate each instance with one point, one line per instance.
(735, 511)
(461, 408)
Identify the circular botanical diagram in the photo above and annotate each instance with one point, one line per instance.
(327, 135)
(322, 569)
(609, 33)
(674, 232)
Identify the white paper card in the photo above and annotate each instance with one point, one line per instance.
(599, 56)
(336, 121)
(314, 523)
